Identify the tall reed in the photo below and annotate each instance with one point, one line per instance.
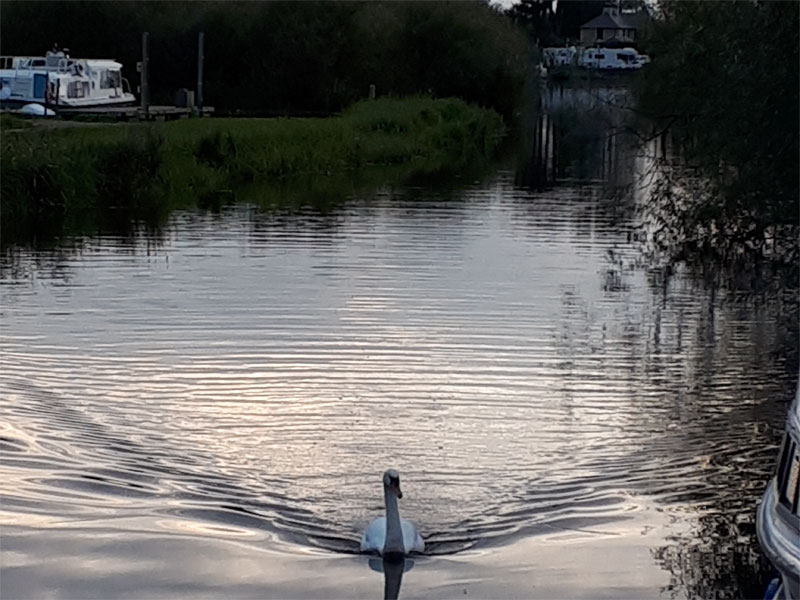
(76, 179)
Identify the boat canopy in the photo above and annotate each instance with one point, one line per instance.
(103, 64)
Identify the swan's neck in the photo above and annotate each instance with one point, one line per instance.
(394, 533)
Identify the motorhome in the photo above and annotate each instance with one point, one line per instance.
(559, 57)
(612, 59)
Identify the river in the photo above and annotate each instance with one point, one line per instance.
(207, 410)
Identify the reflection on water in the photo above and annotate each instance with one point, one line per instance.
(247, 375)
(584, 133)
(392, 574)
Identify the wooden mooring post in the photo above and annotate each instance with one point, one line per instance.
(200, 41)
(145, 88)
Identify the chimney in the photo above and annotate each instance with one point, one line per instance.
(611, 8)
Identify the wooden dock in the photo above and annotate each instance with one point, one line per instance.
(130, 113)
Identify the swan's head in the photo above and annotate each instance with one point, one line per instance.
(391, 480)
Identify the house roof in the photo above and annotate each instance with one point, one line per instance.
(606, 21)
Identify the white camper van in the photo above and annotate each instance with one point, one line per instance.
(612, 59)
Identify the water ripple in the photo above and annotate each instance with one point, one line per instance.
(255, 379)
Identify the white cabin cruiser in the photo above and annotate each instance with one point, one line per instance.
(778, 521)
(58, 80)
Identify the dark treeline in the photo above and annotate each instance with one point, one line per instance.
(559, 27)
(724, 82)
(289, 57)
(554, 28)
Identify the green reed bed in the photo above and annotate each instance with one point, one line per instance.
(58, 181)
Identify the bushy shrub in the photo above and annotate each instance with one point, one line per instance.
(724, 81)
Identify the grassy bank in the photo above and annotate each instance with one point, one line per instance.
(59, 181)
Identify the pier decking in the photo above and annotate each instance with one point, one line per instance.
(130, 113)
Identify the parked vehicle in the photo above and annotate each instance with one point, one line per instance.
(559, 57)
(612, 59)
(605, 59)
(778, 522)
(58, 80)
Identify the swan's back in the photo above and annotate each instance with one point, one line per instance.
(375, 537)
(412, 540)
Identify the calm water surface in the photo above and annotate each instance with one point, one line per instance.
(208, 411)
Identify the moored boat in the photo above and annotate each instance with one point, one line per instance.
(58, 80)
(778, 522)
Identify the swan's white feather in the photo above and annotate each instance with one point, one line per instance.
(375, 537)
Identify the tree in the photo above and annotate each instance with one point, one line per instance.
(726, 81)
(286, 56)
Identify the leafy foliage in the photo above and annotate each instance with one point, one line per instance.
(724, 79)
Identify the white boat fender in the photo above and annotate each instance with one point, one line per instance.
(36, 110)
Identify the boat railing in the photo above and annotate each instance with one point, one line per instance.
(61, 65)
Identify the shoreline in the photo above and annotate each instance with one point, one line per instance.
(62, 180)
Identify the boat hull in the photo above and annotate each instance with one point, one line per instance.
(16, 103)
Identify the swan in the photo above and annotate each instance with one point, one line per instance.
(390, 535)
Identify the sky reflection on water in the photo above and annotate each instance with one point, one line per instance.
(214, 406)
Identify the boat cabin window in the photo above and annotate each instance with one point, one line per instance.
(77, 89)
(599, 56)
(111, 79)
